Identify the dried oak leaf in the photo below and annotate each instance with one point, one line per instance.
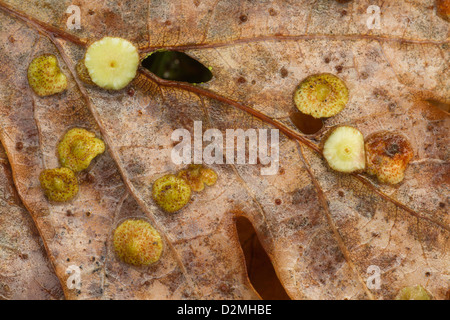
(321, 229)
(25, 270)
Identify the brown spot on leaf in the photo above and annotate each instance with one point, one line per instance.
(392, 106)
(243, 18)
(392, 149)
(284, 72)
(241, 80)
(225, 288)
(380, 93)
(23, 256)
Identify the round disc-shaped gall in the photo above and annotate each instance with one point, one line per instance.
(78, 148)
(343, 149)
(59, 184)
(136, 242)
(388, 155)
(112, 62)
(45, 76)
(321, 95)
(413, 293)
(171, 193)
(197, 175)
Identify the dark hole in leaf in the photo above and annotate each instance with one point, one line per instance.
(305, 123)
(259, 267)
(178, 66)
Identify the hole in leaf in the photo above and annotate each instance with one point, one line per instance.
(305, 123)
(178, 66)
(259, 267)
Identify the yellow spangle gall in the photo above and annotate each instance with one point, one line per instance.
(59, 184)
(45, 76)
(321, 96)
(136, 242)
(343, 149)
(112, 62)
(413, 293)
(197, 175)
(77, 149)
(171, 193)
(388, 155)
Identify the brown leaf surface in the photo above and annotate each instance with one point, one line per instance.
(321, 229)
(25, 270)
